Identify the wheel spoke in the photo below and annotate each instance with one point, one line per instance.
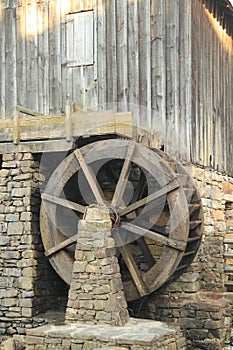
(173, 185)
(132, 266)
(61, 245)
(122, 181)
(139, 188)
(63, 202)
(170, 242)
(146, 251)
(94, 185)
(150, 226)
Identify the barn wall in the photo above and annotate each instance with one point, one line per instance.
(168, 57)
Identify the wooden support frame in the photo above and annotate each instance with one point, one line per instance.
(30, 127)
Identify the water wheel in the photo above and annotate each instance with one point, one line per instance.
(155, 210)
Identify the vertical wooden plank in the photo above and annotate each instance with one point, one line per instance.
(88, 4)
(21, 56)
(230, 108)
(122, 47)
(32, 56)
(172, 29)
(199, 91)
(55, 56)
(64, 69)
(158, 68)
(198, 120)
(2, 64)
(205, 95)
(145, 62)
(214, 96)
(185, 79)
(209, 91)
(133, 53)
(194, 81)
(111, 53)
(43, 59)
(10, 62)
(101, 52)
(69, 39)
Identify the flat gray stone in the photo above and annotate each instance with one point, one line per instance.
(131, 332)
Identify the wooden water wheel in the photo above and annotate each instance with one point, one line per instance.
(154, 206)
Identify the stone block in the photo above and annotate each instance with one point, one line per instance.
(26, 216)
(4, 173)
(29, 272)
(27, 263)
(198, 334)
(15, 228)
(10, 255)
(79, 255)
(190, 323)
(25, 283)
(12, 217)
(8, 302)
(18, 192)
(79, 266)
(211, 324)
(99, 305)
(192, 287)
(86, 304)
(110, 269)
(102, 290)
(27, 312)
(93, 269)
(8, 293)
(4, 240)
(103, 316)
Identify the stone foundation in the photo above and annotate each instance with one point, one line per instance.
(135, 335)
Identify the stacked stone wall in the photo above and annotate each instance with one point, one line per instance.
(26, 278)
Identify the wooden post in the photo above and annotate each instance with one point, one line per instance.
(68, 121)
(16, 127)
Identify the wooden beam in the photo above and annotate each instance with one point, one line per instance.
(63, 202)
(132, 266)
(173, 185)
(61, 245)
(91, 178)
(146, 251)
(170, 242)
(122, 181)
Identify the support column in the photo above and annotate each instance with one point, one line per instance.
(96, 292)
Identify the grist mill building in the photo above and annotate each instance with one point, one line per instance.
(116, 174)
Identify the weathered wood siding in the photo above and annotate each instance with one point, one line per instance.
(165, 56)
(212, 92)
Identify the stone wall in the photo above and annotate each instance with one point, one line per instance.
(26, 278)
(195, 300)
(228, 245)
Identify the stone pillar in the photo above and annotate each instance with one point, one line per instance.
(96, 292)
